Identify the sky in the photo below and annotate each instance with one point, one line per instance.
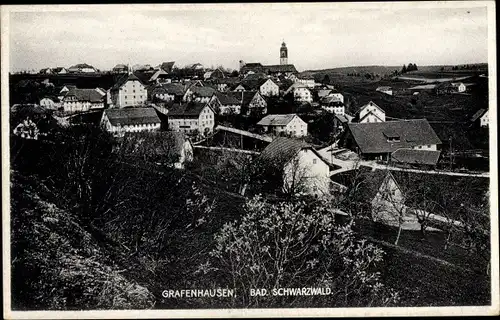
(318, 36)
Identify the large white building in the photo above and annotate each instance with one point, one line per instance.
(288, 124)
(192, 118)
(128, 92)
(121, 121)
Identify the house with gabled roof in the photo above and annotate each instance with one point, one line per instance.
(128, 91)
(167, 66)
(302, 169)
(369, 113)
(481, 118)
(287, 124)
(201, 94)
(267, 87)
(252, 102)
(120, 121)
(191, 117)
(225, 103)
(378, 140)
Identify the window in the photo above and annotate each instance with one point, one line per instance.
(315, 161)
(428, 146)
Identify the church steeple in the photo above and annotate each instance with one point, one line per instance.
(283, 54)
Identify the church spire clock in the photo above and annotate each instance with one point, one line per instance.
(283, 54)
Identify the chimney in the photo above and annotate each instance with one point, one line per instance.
(242, 64)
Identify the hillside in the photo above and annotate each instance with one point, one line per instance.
(52, 252)
(382, 70)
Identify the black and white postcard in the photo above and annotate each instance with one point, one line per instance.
(249, 160)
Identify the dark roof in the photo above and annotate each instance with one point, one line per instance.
(228, 99)
(255, 76)
(91, 95)
(372, 137)
(282, 149)
(167, 66)
(58, 69)
(478, 114)
(186, 109)
(204, 91)
(144, 75)
(254, 84)
(124, 79)
(253, 64)
(280, 68)
(81, 66)
(412, 156)
(174, 88)
(120, 66)
(129, 116)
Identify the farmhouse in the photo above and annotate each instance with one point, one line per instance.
(192, 118)
(121, 121)
(288, 124)
(379, 140)
(302, 169)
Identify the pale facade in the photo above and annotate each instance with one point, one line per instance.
(295, 127)
(306, 82)
(269, 88)
(49, 104)
(337, 96)
(485, 119)
(309, 172)
(131, 93)
(204, 122)
(335, 109)
(119, 130)
(370, 113)
(302, 94)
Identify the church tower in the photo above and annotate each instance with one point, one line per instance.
(283, 54)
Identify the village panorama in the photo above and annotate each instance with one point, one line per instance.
(266, 185)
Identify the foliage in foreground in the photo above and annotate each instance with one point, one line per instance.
(57, 265)
(295, 245)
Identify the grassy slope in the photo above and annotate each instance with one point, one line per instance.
(57, 264)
